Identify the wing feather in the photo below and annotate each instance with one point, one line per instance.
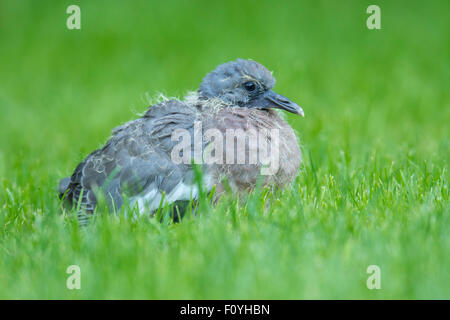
(135, 158)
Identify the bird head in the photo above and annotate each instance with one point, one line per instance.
(247, 84)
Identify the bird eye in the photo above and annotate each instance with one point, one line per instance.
(250, 86)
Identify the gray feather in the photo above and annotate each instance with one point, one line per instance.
(136, 160)
(135, 157)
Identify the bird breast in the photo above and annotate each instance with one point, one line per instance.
(255, 144)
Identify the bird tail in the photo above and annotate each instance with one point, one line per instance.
(63, 185)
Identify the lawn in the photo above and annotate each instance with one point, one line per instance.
(372, 188)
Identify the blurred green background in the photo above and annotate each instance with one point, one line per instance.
(373, 188)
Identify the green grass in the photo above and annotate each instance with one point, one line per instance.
(372, 189)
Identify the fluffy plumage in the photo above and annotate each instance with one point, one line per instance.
(136, 161)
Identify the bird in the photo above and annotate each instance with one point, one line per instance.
(146, 163)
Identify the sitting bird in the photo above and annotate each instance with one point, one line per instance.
(147, 162)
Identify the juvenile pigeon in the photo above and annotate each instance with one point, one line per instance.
(149, 160)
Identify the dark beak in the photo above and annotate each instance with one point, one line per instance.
(275, 100)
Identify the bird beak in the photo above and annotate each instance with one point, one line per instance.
(275, 100)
